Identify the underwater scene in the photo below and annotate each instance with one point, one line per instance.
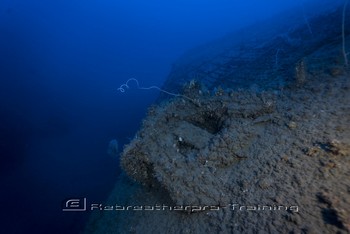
(181, 116)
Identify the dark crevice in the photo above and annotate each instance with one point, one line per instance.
(211, 121)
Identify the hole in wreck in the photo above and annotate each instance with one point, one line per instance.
(211, 120)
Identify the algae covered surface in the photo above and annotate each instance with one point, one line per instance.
(239, 162)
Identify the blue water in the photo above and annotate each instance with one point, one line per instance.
(61, 63)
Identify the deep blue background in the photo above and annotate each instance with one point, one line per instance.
(61, 63)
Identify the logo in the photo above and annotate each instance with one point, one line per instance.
(74, 204)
